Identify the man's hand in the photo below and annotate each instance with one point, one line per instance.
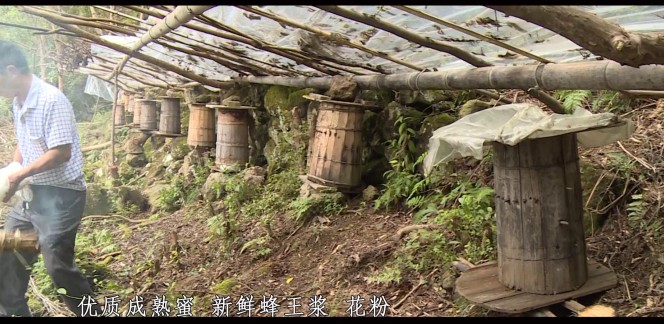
(14, 180)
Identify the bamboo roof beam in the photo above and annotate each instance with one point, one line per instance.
(302, 53)
(335, 37)
(42, 30)
(406, 34)
(239, 69)
(62, 22)
(92, 71)
(258, 45)
(137, 67)
(109, 68)
(467, 31)
(175, 19)
(549, 101)
(592, 75)
(231, 52)
(74, 20)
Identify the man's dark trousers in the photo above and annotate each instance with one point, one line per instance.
(55, 213)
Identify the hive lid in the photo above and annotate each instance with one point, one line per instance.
(322, 98)
(230, 104)
(168, 97)
(146, 100)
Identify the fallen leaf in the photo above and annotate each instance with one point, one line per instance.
(288, 281)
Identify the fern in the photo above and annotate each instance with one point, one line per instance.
(571, 99)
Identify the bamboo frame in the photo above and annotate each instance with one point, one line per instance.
(549, 101)
(595, 75)
(331, 36)
(467, 31)
(258, 45)
(62, 23)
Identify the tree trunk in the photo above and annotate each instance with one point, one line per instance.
(601, 37)
(43, 73)
(58, 54)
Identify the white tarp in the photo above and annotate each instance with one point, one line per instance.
(511, 124)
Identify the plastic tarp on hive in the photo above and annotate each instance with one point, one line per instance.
(511, 30)
(511, 124)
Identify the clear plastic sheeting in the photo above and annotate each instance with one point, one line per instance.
(491, 23)
(511, 124)
(97, 87)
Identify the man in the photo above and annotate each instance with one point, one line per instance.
(49, 151)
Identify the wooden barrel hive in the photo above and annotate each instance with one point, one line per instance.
(124, 98)
(232, 150)
(336, 151)
(137, 111)
(539, 215)
(201, 126)
(129, 106)
(148, 118)
(119, 115)
(169, 116)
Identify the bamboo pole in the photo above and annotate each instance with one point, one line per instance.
(549, 101)
(230, 53)
(467, 31)
(335, 37)
(62, 22)
(43, 30)
(406, 34)
(136, 67)
(595, 75)
(303, 55)
(175, 19)
(109, 69)
(258, 45)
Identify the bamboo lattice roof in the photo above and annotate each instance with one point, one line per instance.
(335, 58)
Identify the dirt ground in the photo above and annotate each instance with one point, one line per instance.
(321, 258)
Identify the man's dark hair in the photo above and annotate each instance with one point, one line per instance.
(11, 54)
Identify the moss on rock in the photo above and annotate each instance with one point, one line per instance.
(276, 99)
(98, 201)
(473, 106)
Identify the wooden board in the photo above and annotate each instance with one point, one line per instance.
(480, 285)
(169, 135)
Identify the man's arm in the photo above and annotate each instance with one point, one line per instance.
(47, 161)
(17, 156)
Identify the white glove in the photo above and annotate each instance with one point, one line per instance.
(23, 192)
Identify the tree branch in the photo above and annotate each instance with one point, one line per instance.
(600, 36)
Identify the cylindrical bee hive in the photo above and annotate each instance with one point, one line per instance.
(129, 106)
(148, 118)
(336, 153)
(137, 111)
(232, 150)
(169, 117)
(119, 117)
(539, 214)
(201, 126)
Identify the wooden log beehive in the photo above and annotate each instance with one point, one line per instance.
(119, 117)
(232, 149)
(137, 111)
(201, 126)
(148, 118)
(539, 212)
(169, 117)
(336, 151)
(18, 241)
